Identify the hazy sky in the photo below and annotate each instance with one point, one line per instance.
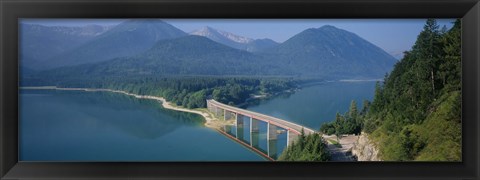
(392, 35)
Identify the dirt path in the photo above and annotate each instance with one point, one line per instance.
(342, 153)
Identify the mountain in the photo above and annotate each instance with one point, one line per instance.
(189, 55)
(258, 45)
(39, 43)
(221, 36)
(326, 52)
(126, 39)
(235, 41)
(332, 53)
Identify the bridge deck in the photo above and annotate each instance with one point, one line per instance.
(273, 120)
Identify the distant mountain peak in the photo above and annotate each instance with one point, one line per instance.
(204, 31)
(324, 29)
(125, 39)
(233, 40)
(329, 50)
(215, 34)
(207, 28)
(141, 20)
(326, 52)
(328, 27)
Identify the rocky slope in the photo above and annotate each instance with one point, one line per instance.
(365, 150)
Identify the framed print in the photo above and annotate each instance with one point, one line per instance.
(223, 89)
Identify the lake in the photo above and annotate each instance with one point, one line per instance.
(103, 126)
(311, 106)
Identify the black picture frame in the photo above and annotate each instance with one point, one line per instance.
(468, 10)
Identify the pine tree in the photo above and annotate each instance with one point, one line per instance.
(353, 112)
(365, 107)
(452, 50)
(427, 46)
(418, 97)
(338, 125)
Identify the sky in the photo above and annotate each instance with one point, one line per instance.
(393, 35)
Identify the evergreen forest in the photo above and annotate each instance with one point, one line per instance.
(416, 110)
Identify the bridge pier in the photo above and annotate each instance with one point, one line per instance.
(272, 137)
(254, 133)
(220, 111)
(272, 131)
(288, 138)
(239, 129)
(291, 137)
(216, 110)
(255, 125)
(277, 129)
(251, 130)
(227, 115)
(209, 106)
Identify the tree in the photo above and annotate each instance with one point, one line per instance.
(338, 125)
(365, 106)
(428, 50)
(452, 50)
(301, 140)
(413, 114)
(313, 148)
(353, 112)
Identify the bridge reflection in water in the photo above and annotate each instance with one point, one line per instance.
(266, 135)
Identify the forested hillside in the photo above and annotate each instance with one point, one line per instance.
(416, 111)
(188, 55)
(333, 53)
(142, 47)
(126, 39)
(187, 91)
(40, 43)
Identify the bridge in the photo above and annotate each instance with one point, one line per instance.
(250, 128)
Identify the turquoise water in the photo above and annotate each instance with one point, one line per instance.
(102, 126)
(314, 105)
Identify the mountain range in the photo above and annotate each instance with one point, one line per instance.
(235, 41)
(126, 39)
(40, 43)
(188, 55)
(153, 47)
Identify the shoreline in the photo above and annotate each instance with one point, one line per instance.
(210, 121)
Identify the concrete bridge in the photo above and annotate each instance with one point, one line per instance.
(248, 127)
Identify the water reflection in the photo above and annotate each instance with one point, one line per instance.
(141, 118)
(275, 144)
(102, 126)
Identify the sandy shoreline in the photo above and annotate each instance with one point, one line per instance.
(210, 121)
